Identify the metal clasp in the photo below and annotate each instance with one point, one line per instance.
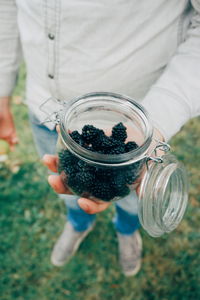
(52, 108)
(161, 146)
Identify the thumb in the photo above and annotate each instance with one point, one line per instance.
(91, 206)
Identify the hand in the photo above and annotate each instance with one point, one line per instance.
(7, 127)
(89, 206)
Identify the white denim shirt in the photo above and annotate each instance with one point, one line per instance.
(148, 50)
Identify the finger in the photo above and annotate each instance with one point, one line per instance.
(58, 128)
(138, 190)
(51, 161)
(56, 183)
(91, 207)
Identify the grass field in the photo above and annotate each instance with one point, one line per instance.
(32, 216)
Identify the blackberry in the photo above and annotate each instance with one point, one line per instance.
(64, 155)
(81, 164)
(90, 169)
(76, 136)
(64, 159)
(108, 142)
(74, 185)
(131, 174)
(118, 150)
(105, 142)
(85, 179)
(98, 141)
(89, 132)
(112, 146)
(123, 191)
(102, 190)
(119, 132)
(130, 146)
(67, 162)
(107, 145)
(118, 180)
(104, 173)
(69, 170)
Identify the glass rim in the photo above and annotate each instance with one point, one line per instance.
(99, 158)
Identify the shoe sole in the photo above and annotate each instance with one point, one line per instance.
(138, 267)
(134, 272)
(76, 246)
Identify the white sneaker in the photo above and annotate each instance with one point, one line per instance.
(67, 244)
(130, 251)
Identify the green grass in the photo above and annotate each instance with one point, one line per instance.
(32, 216)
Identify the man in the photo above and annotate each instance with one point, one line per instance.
(149, 50)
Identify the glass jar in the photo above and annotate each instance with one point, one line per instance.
(105, 145)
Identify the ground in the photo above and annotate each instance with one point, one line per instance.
(32, 216)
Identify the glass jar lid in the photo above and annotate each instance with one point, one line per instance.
(163, 196)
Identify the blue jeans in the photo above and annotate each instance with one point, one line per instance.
(126, 220)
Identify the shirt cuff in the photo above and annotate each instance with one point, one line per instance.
(167, 111)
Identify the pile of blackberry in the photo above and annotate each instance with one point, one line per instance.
(102, 183)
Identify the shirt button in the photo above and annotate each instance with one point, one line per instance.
(51, 76)
(51, 36)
